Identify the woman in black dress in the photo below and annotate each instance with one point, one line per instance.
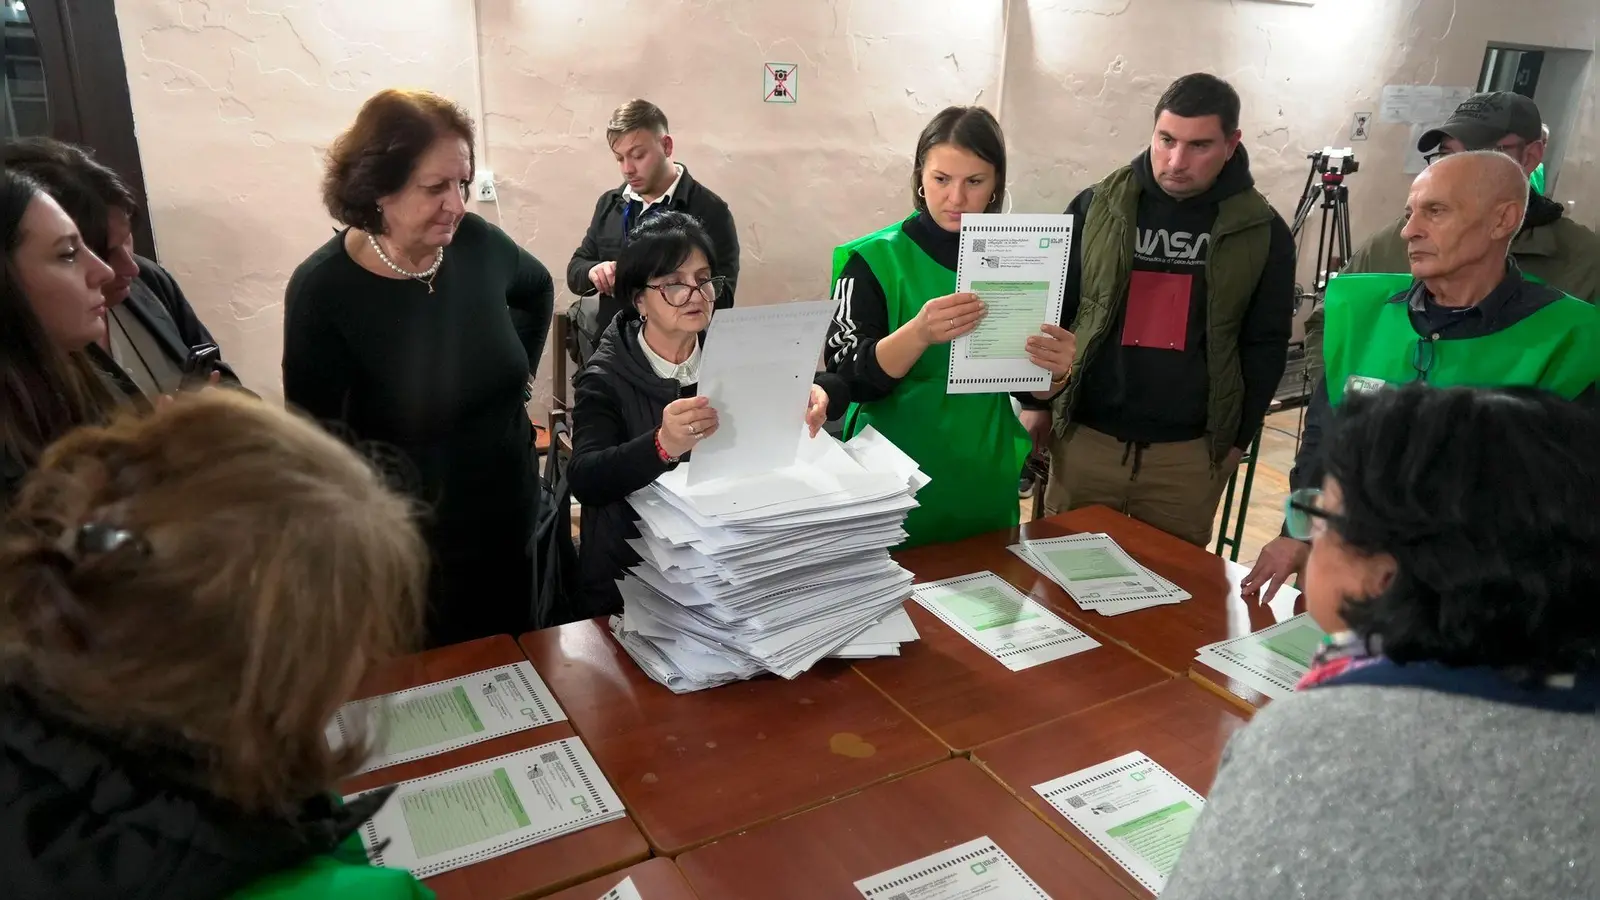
(417, 328)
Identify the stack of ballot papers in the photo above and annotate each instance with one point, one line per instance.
(1098, 574)
(773, 571)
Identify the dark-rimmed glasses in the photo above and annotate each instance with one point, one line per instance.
(678, 295)
(1511, 148)
(1304, 519)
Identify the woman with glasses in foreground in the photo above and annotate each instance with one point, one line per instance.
(635, 414)
(1443, 744)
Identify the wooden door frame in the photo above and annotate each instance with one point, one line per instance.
(86, 86)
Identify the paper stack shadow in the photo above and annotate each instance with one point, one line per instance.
(771, 572)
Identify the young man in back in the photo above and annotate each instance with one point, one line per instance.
(1180, 289)
(638, 136)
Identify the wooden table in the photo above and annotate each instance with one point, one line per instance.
(1166, 635)
(820, 854)
(966, 697)
(1177, 724)
(656, 879)
(542, 867)
(694, 767)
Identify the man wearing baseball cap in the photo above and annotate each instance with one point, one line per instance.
(1550, 248)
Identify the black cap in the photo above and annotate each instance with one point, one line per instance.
(1483, 119)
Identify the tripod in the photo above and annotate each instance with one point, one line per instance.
(1333, 230)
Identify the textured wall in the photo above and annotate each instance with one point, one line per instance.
(236, 100)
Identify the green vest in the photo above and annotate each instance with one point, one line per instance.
(1240, 242)
(1537, 180)
(971, 445)
(344, 874)
(1370, 342)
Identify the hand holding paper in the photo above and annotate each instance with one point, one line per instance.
(685, 423)
(943, 319)
(816, 409)
(1053, 350)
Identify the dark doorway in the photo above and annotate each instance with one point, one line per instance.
(64, 77)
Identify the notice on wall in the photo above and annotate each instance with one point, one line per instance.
(779, 81)
(1420, 104)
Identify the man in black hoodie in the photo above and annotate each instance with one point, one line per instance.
(637, 134)
(1180, 289)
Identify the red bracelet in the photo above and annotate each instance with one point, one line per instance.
(662, 451)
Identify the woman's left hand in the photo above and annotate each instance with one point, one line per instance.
(1053, 350)
(817, 409)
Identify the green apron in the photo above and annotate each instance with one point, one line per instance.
(1370, 342)
(971, 445)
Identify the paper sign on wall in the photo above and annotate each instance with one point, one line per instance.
(779, 82)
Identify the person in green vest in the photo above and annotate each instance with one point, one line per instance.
(898, 310)
(186, 598)
(1466, 316)
(1549, 246)
(1180, 290)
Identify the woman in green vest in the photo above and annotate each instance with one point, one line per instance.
(186, 599)
(898, 311)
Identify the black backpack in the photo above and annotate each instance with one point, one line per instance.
(587, 318)
(555, 556)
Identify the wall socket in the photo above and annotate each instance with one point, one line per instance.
(483, 187)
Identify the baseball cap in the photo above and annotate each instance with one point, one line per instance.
(1483, 119)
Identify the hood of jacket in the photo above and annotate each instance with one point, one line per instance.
(619, 356)
(82, 817)
(1541, 210)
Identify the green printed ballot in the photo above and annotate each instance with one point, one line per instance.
(1016, 309)
(1087, 563)
(456, 814)
(1298, 645)
(982, 607)
(428, 719)
(1158, 837)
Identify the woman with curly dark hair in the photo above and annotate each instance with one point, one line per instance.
(418, 326)
(1444, 744)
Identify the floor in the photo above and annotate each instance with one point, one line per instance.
(1268, 491)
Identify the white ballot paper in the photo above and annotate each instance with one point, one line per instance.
(757, 369)
(1005, 623)
(1136, 811)
(423, 721)
(623, 891)
(1175, 594)
(1272, 660)
(976, 869)
(1017, 264)
(1099, 575)
(477, 812)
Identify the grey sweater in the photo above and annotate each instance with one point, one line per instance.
(1400, 793)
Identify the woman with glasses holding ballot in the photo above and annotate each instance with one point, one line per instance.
(635, 414)
(898, 312)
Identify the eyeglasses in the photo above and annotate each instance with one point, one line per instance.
(1304, 519)
(1512, 149)
(1422, 358)
(679, 295)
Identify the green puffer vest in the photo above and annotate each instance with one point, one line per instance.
(1240, 242)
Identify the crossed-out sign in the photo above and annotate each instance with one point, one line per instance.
(779, 82)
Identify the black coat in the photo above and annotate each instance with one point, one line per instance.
(155, 300)
(617, 407)
(604, 239)
(82, 818)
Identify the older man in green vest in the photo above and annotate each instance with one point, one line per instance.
(1466, 315)
(1549, 246)
(1180, 289)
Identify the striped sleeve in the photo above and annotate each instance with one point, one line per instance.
(859, 322)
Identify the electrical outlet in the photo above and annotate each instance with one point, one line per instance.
(483, 189)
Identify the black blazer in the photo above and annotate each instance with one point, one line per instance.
(603, 242)
(158, 303)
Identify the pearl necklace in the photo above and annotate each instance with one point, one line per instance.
(424, 277)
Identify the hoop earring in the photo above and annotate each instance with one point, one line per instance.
(920, 192)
